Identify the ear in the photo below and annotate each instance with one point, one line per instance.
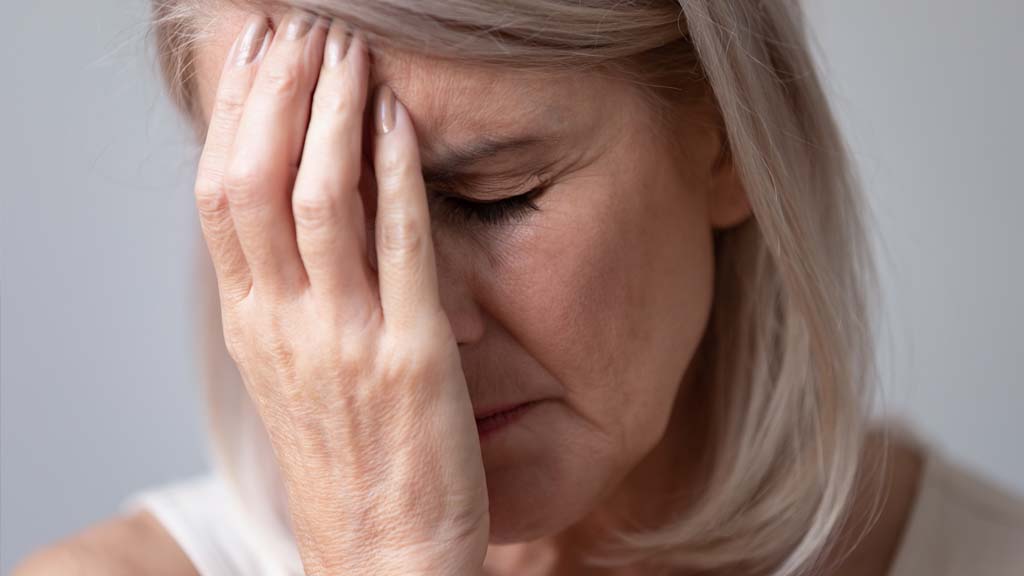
(728, 204)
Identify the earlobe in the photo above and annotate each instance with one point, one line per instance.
(728, 204)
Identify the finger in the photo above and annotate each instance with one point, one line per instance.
(329, 221)
(265, 157)
(405, 250)
(236, 79)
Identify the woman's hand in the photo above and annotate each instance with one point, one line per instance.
(355, 372)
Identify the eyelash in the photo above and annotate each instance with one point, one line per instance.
(505, 211)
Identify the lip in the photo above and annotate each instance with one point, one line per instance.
(497, 409)
(492, 420)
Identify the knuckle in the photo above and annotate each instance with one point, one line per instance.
(402, 366)
(235, 288)
(314, 210)
(356, 322)
(354, 354)
(411, 369)
(235, 346)
(350, 333)
(402, 235)
(282, 351)
(241, 183)
(228, 106)
(430, 331)
(276, 337)
(426, 336)
(210, 198)
(280, 81)
(334, 101)
(394, 169)
(234, 336)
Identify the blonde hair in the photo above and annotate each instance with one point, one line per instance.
(788, 351)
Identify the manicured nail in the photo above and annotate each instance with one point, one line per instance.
(337, 43)
(299, 24)
(250, 41)
(385, 110)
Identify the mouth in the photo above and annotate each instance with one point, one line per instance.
(491, 421)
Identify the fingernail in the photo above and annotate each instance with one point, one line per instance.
(267, 37)
(385, 110)
(337, 43)
(250, 41)
(299, 24)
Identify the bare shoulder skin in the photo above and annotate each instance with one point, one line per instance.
(119, 546)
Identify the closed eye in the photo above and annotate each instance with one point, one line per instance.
(458, 209)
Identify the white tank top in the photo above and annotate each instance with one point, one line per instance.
(203, 518)
(960, 525)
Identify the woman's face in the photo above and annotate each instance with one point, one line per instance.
(595, 303)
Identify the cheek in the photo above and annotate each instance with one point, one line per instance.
(614, 297)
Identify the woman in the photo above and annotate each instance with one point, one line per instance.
(584, 288)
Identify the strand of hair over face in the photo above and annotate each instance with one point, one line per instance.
(789, 357)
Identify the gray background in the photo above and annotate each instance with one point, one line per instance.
(99, 396)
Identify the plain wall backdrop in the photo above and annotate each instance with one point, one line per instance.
(99, 393)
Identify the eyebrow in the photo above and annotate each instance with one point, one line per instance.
(456, 161)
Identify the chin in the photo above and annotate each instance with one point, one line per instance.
(545, 473)
(526, 506)
(542, 493)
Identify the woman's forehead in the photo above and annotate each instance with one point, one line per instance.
(450, 102)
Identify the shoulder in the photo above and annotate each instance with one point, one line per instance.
(961, 523)
(119, 546)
